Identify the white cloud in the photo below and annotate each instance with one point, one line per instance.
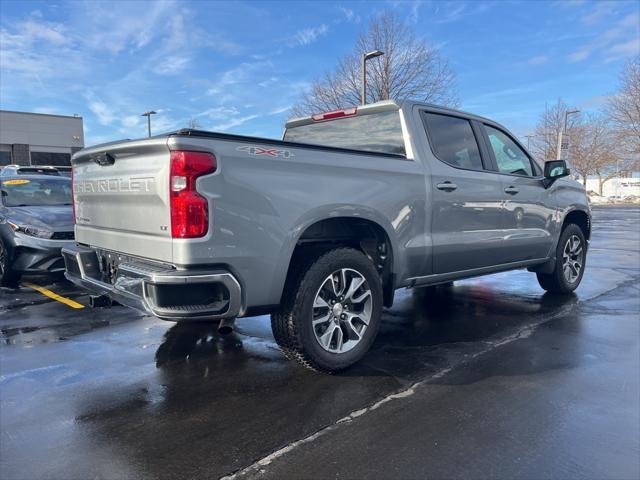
(131, 121)
(170, 65)
(308, 35)
(219, 112)
(277, 111)
(104, 114)
(244, 73)
(350, 15)
(623, 35)
(538, 60)
(579, 55)
(599, 13)
(234, 122)
(623, 50)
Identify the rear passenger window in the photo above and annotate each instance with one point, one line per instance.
(452, 140)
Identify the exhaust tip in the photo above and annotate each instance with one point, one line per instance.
(226, 326)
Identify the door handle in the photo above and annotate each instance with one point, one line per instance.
(511, 190)
(446, 186)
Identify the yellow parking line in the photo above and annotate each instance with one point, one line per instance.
(48, 293)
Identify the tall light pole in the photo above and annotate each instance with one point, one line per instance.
(563, 131)
(365, 57)
(148, 115)
(529, 137)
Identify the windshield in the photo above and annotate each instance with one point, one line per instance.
(32, 192)
(376, 132)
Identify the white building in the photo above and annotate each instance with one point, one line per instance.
(616, 187)
(39, 139)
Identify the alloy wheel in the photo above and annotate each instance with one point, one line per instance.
(3, 259)
(342, 310)
(572, 259)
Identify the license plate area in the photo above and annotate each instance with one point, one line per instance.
(109, 262)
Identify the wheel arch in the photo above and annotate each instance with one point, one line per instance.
(366, 233)
(581, 218)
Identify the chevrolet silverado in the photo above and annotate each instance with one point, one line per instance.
(320, 228)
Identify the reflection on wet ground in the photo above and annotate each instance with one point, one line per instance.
(109, 393)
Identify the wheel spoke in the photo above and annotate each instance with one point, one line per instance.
(361, 298)
(323, 319)
(567, 272)
(327, 336)
(573, 269)
(339, 339)
(576, 245)
(352, 331)
(338, 282)
(356, 283)
(320, 302)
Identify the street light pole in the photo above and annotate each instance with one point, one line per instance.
(148, 115)
(529, 137)
(363, 66)
(563, 131)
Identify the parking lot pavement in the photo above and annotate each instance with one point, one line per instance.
(488, 378)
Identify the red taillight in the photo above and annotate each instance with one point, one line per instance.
(189, 210)
(73, 199)
(347, 112)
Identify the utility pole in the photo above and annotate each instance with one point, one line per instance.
(148, 115)
(529, 137)
(363, 66)
(563, 131)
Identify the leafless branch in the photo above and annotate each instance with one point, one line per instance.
(409, 68)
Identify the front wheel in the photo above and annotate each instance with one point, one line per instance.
(571, 255)
(331, 311)
(8, 277)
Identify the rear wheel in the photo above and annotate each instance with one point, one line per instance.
(330, 312)
(571, 254)
(8, 277)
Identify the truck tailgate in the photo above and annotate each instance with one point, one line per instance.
(121, 197)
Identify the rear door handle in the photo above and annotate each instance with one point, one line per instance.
(511, 190)
(446, 186)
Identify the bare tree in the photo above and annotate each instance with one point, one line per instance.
(193, 123)
(409, 68)
(624, 108)
(594, 149)
(545, 141)
(591, 139)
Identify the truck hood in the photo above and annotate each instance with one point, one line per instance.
(57, 218)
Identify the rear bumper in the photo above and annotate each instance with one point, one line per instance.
(166, 293)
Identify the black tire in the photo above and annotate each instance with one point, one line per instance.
(557, 281)
(292, 323)
(8, 276)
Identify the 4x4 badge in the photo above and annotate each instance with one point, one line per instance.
(270, 152)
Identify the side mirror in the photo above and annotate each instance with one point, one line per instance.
(554, 169)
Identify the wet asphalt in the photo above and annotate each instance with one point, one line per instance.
(489, 378)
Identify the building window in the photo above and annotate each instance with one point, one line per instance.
(5, 154)
(47, 158)
(5, 158)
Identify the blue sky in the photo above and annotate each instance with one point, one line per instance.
(238, 67)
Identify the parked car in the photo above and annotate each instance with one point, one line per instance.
(321, 228)
(36, 221)
(13, 170)
(64, 170)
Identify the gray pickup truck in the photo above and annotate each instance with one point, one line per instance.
(321, 228)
